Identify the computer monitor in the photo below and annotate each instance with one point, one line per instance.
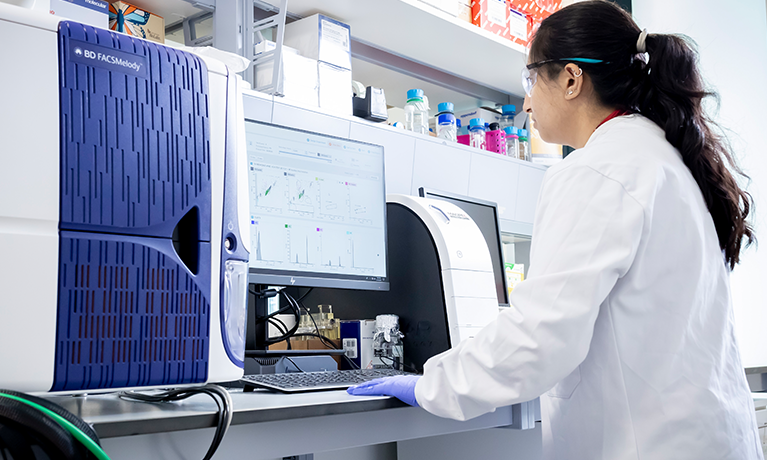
(485, 215)
(317, 210)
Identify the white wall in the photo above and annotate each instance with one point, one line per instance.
(732, 40)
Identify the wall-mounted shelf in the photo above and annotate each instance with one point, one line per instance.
(423, 34)
(172, 11)
(396, 45)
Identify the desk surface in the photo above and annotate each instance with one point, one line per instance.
(112, 416)
(182, 429)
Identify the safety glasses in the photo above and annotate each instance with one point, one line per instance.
(530, 71)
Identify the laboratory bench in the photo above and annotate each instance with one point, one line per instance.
(265, 424)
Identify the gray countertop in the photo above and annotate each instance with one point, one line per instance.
(113, 417)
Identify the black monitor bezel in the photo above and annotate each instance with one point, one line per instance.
(315, 279)
(425, 192)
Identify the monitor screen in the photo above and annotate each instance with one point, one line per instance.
(317, 209)
(485, 215)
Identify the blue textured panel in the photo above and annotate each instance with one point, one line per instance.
(135, 151)
(129, 314)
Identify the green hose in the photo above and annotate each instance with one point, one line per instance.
(83, 438)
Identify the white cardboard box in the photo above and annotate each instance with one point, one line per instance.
(267, 45)
(335, 89)
(92, 12)
(322, 38)
(299, 77)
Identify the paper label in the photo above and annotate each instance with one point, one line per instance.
(334, 44)
(518, 24)
(496, 12)
(335, 35)
(350, 347)
(95, 5)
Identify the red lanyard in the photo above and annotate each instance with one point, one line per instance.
(617, 113)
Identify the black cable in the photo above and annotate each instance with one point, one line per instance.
(351, 362)
(279, 324)
(283, 328)
(220, 396)
(28, 421)
(309, 291)
(325, 341)
(294, 363)
(175, 395)
(267, 293)
(316, 328)
(404, 366)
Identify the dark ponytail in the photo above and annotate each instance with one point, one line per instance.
(667, 88)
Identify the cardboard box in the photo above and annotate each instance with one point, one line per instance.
(131, 20)
(491, 15)
(536, 11)
(464, 10)
(92, 12)
(299, 76)
(335, 89)
(322, 38)
(264, 46)
(448, 6)
(310, 344)
(357, 340)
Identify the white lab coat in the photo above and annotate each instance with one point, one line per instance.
(625, 320)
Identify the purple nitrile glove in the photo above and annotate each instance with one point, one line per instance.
(400, 386)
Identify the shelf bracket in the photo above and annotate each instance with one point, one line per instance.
(252, 35)
(205, 5)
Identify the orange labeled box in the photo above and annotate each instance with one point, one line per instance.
(536, 11)
(491, 15)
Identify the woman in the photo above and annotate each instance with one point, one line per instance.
(625, 321)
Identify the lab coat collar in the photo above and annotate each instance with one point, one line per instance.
(604, 127)
(636, 118)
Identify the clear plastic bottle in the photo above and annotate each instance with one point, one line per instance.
(387, 343)
(446, 126)
(524, 146)
(512, 142)
(477, 133)
(458, 129)
(507, 119)
(417, 112)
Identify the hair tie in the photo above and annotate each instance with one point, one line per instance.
(641, 45)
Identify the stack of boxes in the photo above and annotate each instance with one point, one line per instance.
(514, 20)
(328, 43)
(299, 73)
(316, 64)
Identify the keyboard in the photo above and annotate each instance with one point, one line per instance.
(295, 382)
